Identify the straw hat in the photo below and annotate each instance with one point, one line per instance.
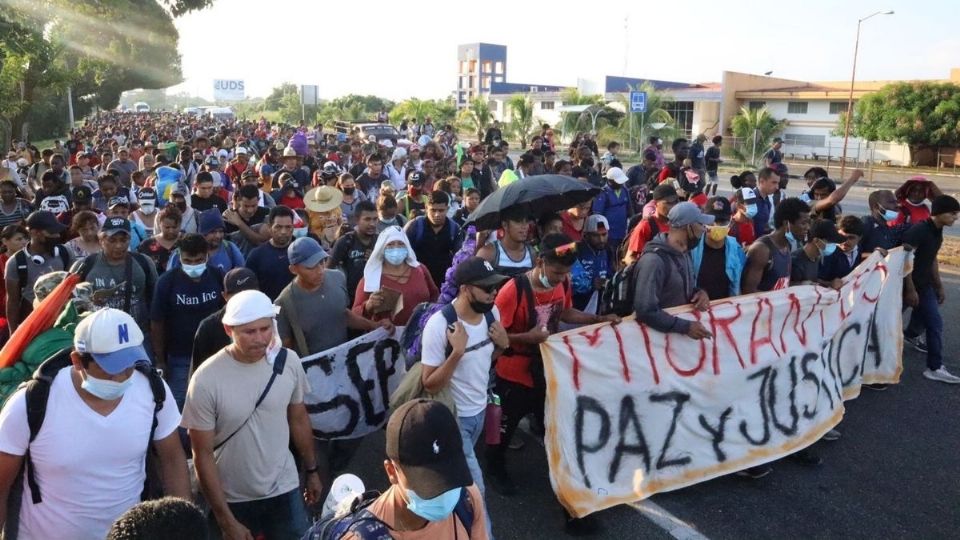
(323, 199)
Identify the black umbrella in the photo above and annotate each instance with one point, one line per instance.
(539, 194)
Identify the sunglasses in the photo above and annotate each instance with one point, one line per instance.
(489, 289)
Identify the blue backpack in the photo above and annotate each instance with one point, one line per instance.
(367, 526)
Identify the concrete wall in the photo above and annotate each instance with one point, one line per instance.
(733, 82)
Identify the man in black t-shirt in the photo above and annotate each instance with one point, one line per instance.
(351, 251)
(210, 336)
(713, 162)
(434, 238)
(923, 289)
(204, 198)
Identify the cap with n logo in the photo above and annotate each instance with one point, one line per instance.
(113, 338)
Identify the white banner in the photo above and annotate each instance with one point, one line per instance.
(632, 412)
(228, 90)
(350, 385)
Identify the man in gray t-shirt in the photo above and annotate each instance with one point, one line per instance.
(107, 273)
(41, 256)
(124, 165)
(315, 308)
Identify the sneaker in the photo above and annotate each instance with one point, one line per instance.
(917, 342)
(878, 387)
(755, 473)
(807, 457)
(831, 435)
(501, 482)
(585, 526)
(941, 375)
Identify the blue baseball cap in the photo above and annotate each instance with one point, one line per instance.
(210, 220)
(306, 251)
(113, 338)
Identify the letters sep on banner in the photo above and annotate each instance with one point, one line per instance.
(350, 385)
(632, 412)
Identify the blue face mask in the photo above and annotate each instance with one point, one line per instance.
(828, 249)
(194, 270)
(395, 255)
(792, 240)
(300, 233)
(751, 210)
(890, 215)
(105, 389)
(435, 509)
(545, 282)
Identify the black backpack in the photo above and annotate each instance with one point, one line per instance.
(141, 259)
(367, 526)
(21, 260)
(411, 341)
(37, 393)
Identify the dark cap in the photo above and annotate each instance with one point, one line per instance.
(477, 271)
(718, 207)
(240, 279)
(115, 225)
(41, 220)
(826, 230)
(424, 440)
(119, 200)
(777, 140)
(416, 177)
(82, 194)
(664, 191)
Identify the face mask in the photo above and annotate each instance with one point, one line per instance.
(194, 270)
(828, 249)
(890, 215)
(544, 281)
(395, 255)
(349, 190)
(718, 233)
(300, 233)
(435, 509)
(751, 211)
(105, 389)
(792, 240)
(148, 208)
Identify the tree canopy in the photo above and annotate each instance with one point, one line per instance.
(98, 48)
(917, 114)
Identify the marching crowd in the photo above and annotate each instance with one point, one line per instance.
(221, 254)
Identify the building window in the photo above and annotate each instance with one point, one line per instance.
(838, 107)
(546, 105)
(487, 66)
(816, 141)
(494, 105)
(797, 107)
(756, 105)
(486, 83)
(471, 82)
(682, 114)
(498, 79)
(473, 66)
(534, 89)
(461, 97)
(498, 67)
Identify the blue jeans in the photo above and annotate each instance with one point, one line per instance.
(278, 518)
(470, 429)
(178, 376)
(927, 312)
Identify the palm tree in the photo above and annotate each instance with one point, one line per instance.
(573, 121)
(657, 103)
(753, 130)
(476, 117)
(412, 108)
(521, 118)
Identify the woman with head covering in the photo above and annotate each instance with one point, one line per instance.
(393, 275)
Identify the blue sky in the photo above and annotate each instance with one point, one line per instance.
(402, 49)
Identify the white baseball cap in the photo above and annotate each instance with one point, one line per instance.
(248, 306)
(617, 175)
(240, 151)
(113, 338)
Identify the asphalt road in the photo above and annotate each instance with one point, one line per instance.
(894, 473)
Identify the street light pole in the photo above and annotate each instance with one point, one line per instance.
(853, 77)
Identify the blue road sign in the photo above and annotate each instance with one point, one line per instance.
(638, 102)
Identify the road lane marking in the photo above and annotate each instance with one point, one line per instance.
(675, 527)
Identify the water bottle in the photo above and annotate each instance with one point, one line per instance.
(491, 422)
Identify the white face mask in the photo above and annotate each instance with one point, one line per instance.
(148, 207)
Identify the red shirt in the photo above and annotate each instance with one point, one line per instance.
(642, 234)
(568, 229)
(418, 288)
(743, 232)
(513, 308)
(292, 203)
(912, 214)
